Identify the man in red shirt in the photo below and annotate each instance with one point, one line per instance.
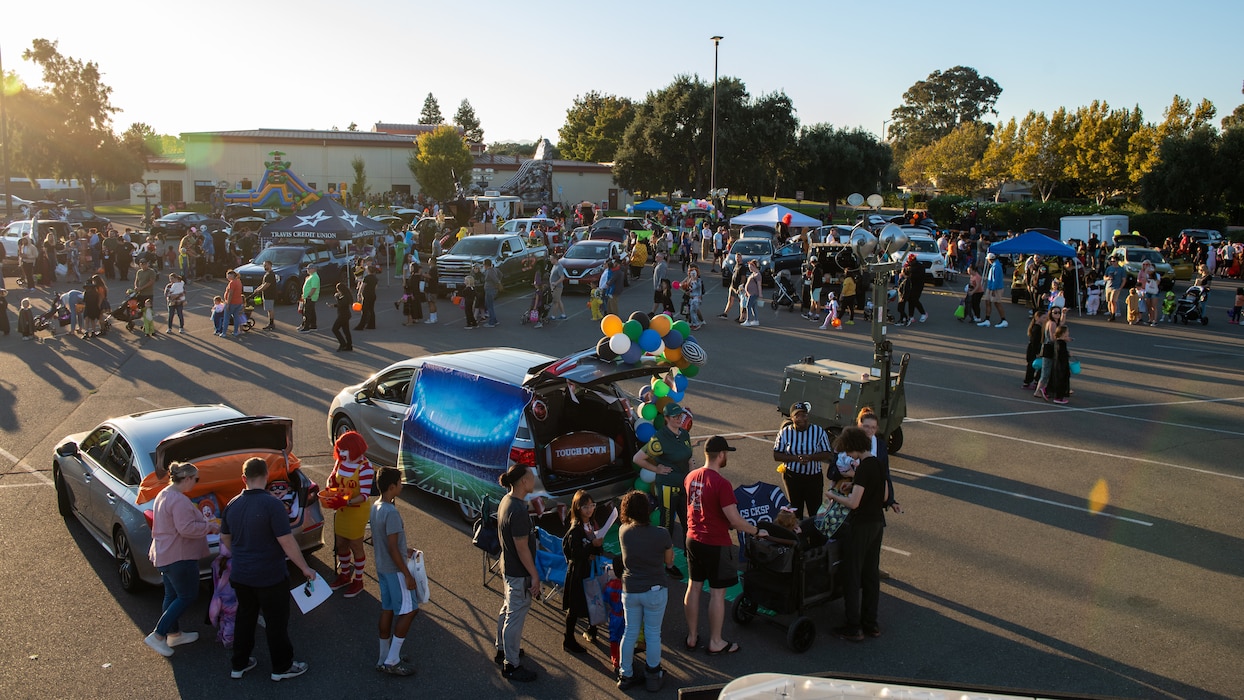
(712, 513)
(233, 304)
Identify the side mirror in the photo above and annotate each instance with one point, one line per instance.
(69, 449)
(363, 396)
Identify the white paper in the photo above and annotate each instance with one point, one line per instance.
(613, 517)
(307, 603)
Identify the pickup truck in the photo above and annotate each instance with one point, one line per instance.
(290, 262)
(510, 254)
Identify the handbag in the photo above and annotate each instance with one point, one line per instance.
(770, 556)
(594, 594)
(1075, 365)
(419, 570)
(959, 312)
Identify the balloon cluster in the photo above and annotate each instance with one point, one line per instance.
(660, 336)
(630, 209)
(696, 204)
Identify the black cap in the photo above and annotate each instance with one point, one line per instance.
(718, 443)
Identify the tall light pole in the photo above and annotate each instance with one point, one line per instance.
(712, 163)
(883, 123)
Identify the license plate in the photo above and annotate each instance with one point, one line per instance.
(574, 281)
(450, 285)
(248, 289)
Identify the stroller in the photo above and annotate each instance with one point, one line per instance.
(1188, 308)
(787, 579)
(128, 310)
(59, 313)
(541, 302)
(784, 292)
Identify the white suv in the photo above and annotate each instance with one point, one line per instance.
(924, 247)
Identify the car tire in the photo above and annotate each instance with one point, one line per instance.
(292, 293)
(467, 513)
(63, 505)
(894, 441)
(127, 568)
(341, 424)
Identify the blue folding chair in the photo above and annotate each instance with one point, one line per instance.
(551, 563)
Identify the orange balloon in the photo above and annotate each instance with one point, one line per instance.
(673, 354)
(837, 323)
(611, 325)
(661, 323)
(661, 402)
(684, 363)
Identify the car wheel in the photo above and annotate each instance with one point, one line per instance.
(292, 292)
(341, 425)
(894, 441)
(127, 568)
(63, 505)
(467, 513)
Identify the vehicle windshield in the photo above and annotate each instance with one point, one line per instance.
(752, 248)
(588, 250)
(513, 226)
(280, 257)
(476, 246)
(921, 245)
(177, 215)
(1139, 255)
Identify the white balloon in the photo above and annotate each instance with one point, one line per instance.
(647, 475)
(619, 343)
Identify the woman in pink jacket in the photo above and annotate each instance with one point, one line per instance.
(178, 541)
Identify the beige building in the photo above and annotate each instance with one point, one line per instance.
(321, 160)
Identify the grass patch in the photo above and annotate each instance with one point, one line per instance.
(120, 209)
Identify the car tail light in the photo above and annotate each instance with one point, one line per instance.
(149, 516)
(524, 456)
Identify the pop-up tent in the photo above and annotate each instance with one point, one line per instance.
(772, 215)
(649, 205)
(1037, 243)
(325, 219)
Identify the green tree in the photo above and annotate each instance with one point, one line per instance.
(997, 165)
(72, 136)
(431, 113)
(1042, 147)
(915, 169)
(953, 158)
(1189, 175)
(512, 148)
(442, 162)
(359, 189)
(1100, 144)
(594, 127)
(1231, 154)
(465, 118)
(832, 163)
(933, 107)
(772, 133)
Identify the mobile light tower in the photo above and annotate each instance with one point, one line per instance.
(712, 163)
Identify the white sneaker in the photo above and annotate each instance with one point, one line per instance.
(250, 663)
(1001, 324)
(984, 324)
(924, 317)
(162, 648)
(176, 640)
(296, 669)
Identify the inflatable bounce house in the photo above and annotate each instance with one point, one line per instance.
(280, 188)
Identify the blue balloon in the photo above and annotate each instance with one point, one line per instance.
(673, 339)
(649, 340)
(676, 396)
(690, 339)
(632, 355)
(680, 383)
(645, 431)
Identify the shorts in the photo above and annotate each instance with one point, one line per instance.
(713, 563)
(394, 595)
(658, 298)
(269, 305)
(994, 295)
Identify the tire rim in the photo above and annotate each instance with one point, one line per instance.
(125, 560)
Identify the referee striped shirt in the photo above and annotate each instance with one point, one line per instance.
(792, 441)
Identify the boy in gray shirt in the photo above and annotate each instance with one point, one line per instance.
(397, 584)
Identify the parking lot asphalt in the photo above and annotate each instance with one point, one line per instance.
(1004, 571)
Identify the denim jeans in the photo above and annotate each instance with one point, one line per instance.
(232, 312)
(490, 304)
(181, 589)
(648, 609)
(512, 616)
(753, 301)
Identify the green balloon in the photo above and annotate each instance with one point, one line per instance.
(691, 370)
(655, 517)
(683, 328)
(649, 411)
(632, 329)
(660, 389)
(659, 421)
(640, 485)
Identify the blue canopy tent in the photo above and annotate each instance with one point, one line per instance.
(649, 205)
(1037, 243)
(772, 215)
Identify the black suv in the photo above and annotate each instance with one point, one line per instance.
(617, 228)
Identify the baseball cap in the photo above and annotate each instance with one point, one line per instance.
(672, 409)
(718, 443)
(990, 256)
(800, 406)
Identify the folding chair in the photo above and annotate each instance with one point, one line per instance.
(551, 563)
(485, 537)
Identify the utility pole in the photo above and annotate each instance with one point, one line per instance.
(712, 167)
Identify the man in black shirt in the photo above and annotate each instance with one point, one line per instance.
(861, 536)
(518, 563)
(267, 288)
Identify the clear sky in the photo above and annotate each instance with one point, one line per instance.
(224, 65)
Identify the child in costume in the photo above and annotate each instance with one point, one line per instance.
(148, 319)
(1168, 306)
(352, 475)
(1239, 304)
(831, 312)
(1093, 303)
(595, 301)
(26, 320)
(1133, 306)
(617, 614)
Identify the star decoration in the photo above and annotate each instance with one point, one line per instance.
(314, 219)
(352, 219)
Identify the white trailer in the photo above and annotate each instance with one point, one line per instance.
(1082, 228)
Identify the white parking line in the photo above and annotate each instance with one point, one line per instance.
(23, 486)
(1020, 495)
(896, 551)
(1201, 351)
(24, 467)
(147, 401)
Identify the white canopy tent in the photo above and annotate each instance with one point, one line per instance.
(772, 215)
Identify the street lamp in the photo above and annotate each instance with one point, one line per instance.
(712, 163)
(883, 123)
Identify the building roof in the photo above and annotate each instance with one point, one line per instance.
(302, 135)
(412, 129)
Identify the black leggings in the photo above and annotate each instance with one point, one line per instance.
(804, 491)
(341, 329)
